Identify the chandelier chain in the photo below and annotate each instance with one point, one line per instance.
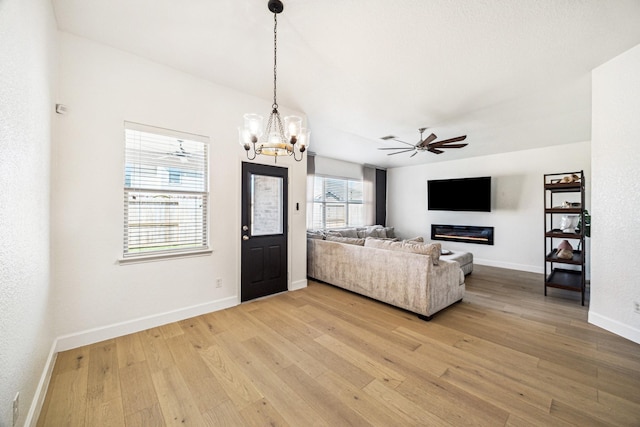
(275, 58)
(272, 140)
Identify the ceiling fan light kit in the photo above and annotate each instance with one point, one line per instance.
(425, 144)
(290, 139)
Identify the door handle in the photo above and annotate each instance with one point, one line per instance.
(245, 237)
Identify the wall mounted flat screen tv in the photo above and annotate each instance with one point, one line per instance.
(461, 194)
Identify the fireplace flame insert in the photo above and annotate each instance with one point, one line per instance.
(462, 233)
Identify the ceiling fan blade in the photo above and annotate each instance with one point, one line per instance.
(447, 141)
(427, 140)
(395, 148)
(402, 142)
(403, 151)
(430, 138)
(434, 150)
(413, 154)
(450, 145)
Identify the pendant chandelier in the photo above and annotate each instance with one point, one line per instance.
(290, 139)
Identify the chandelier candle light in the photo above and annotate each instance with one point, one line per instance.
(277, 140)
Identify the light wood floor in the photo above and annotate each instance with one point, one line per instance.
(322, 356)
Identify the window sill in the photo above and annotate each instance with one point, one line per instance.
(162, 257)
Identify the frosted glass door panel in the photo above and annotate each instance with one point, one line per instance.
(266, 205)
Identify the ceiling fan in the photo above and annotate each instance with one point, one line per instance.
(425, 144)
(180, 153)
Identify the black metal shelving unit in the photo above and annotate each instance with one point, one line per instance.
(560, 273)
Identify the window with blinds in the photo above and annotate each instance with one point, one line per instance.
(165, 191)
(337, 202)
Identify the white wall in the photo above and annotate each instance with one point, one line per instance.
(616, 195)
(96, 297)
(27, 74)
(517, 201)
(338, 168)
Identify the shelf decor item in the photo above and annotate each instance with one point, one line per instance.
(564, 267)
(568, 223)
(565, 250)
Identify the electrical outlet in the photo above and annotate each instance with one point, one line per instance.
(636, 307)
(218, 282)
(16, 409)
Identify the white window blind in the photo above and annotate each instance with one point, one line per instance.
(337, 202)
(165, 191)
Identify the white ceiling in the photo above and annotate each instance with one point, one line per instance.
(510, 74)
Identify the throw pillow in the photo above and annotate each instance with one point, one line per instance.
(373, 242)
(346, 240)
(333, 234)
(415, 239)
(348, 232)
(370, 231)
(380, 233)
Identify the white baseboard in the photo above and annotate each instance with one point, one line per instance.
(91, 336)
(509, 265)
(298, 284)
(41, 391)
(615, 327)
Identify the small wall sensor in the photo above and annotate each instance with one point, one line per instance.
(61, 109)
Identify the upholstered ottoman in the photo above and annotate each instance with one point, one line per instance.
(465, 259)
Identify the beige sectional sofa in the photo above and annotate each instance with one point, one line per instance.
(419, 282)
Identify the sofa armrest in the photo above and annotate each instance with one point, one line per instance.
(446, 285)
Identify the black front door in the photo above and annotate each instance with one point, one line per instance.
(263, 231)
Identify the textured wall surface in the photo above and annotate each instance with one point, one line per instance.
(616, 195)
(27, 52)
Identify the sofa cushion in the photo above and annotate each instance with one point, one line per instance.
(377, 232)
(315, 234)
(415, 239)
(348, 232)
(386, 243)
(333, 234)
(430, 249)
(372, 242)
(372, 231)
(347, 240)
